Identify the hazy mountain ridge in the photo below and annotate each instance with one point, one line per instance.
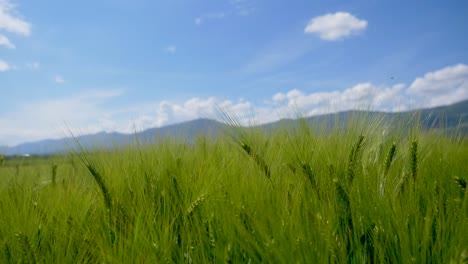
(448, 117)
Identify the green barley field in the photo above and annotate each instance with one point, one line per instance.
(358, 193)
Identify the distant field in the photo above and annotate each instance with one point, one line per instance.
(356, 194)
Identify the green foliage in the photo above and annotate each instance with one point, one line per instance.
(295, 194)
(2, 160)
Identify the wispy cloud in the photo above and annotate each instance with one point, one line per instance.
(272, 59)
(51, 117)
(59, 79)
(201, 19)
(335, 26)
(243, 7)
(11, 21)
(170, 49)
(235, 8)
(33, 65)
(4, 66)
(4, 41)
(278, 53)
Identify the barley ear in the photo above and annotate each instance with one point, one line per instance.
(461, 183)
(389, 158)
(100, 182)
(353, 158)
(54, 173)
(194, 205)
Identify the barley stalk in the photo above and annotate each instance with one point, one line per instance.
(414, 159)
(28, 251)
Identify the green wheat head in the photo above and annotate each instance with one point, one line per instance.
(354, 158)
(389, 158)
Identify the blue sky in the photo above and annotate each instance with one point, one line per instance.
(112, 65)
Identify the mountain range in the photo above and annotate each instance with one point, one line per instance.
(452, 119)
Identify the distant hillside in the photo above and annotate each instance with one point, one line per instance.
(187, 130)
(451, 118)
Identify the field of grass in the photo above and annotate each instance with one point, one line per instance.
(355, 194)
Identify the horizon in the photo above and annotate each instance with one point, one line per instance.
(247, 123)
(114, 66)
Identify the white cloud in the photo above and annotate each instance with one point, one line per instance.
(171, 49)
(443, 86)
(4, 66)
(90, 113)
(11, 21)
(58, 79)
(360, 96)
(201, 19)
(335, 26)
(50, 118)
(157, 114)
(93, 112)
(279, 97)
(4, 41)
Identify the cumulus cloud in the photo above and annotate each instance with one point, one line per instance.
(4, 66)
(335, 26)
(11, 21)
(89, 112)
(166, 112)
(443, 86)
(4, 41)
(359, 96)
(93, 112)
